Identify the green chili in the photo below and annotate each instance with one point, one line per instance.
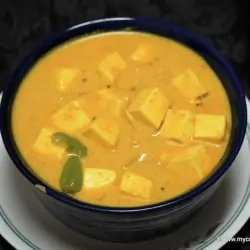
(72, 144)
(72, 176)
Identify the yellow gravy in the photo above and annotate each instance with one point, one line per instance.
(151, 116)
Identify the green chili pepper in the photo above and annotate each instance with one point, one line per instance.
(61, 139)
(71, 176)
(72, 145)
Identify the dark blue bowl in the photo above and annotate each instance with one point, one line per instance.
(139, 223)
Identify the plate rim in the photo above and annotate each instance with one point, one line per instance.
(241, 210)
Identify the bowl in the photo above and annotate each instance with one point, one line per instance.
(139, 223)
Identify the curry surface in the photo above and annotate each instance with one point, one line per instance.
(39, 98)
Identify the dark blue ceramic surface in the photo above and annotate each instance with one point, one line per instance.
(121, 224)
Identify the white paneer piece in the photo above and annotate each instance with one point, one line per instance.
(66, 77)
(209, 127)
(136, 185)
(112, 65)
(44, 145)
(178, 126)
(110, 101)
(189, 85)
(150, 106)
(191, 161)
(105, 130)
(72, 117)
(97, 182)
(144, 53)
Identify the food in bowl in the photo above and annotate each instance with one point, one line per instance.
(121, 223)
(123, 119)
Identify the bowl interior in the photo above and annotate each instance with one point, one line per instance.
(220, 66)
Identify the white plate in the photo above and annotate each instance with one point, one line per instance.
(27, 225)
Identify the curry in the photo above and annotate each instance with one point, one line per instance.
(122, 119)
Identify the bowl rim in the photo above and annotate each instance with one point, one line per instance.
(27, 63)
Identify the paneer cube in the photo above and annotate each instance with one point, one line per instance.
(110, 101)
(112, 65)
(191, 161)
(136, 185)
(150, 106)
(66, 77)
(71, 117)
(106, 130)
(97, 182)
(178, 126)
(144, 53)
(209, 127)
(181, 180)
(44, 145)
(189, 85)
